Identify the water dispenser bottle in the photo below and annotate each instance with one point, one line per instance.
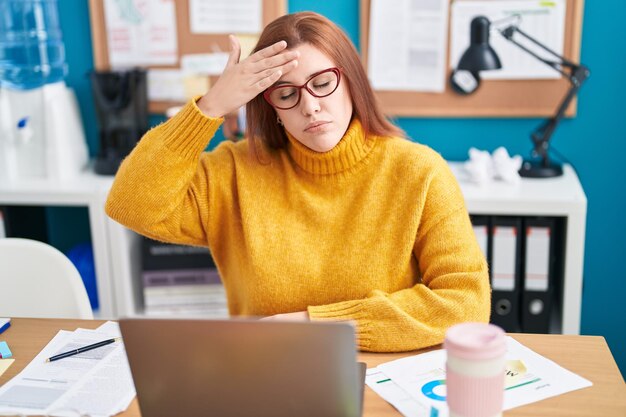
(41, 133)
(32, 52)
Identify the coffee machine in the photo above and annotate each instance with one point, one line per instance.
(121, 101)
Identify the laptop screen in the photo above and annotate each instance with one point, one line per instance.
(243, 367)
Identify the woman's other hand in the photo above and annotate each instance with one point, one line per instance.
(242, 81)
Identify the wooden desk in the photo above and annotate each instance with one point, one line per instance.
(588, 356)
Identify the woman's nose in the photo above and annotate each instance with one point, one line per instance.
(309, 104)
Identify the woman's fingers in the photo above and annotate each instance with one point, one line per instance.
(285, 68)
(265, 70)
(268, 52)
(235, 51)
(271, 75)
(261, 67)
(242, 81)
(276, 60)
(266, 82)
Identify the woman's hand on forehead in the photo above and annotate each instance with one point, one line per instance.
(241, 81)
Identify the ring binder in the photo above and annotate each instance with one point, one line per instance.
(506, 272)
(537, 294)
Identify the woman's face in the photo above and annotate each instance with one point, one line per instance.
(317, 123)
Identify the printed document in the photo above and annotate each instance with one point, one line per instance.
(166, 85)
(416, 385)
(204, 64)
(407, 45)
(95, 383)
(141, 33)
(542, 20)
(225, 16)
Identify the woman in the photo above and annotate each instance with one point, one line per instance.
(325, 213)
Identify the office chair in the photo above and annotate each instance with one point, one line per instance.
(37, 280)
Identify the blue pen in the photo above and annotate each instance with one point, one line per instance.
(5, 326)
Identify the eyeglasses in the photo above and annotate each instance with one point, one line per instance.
(321, 84)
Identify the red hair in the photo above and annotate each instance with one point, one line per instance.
(320, 32)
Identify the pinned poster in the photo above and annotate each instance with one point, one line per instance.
(141, 33)
(408, 44)
(225, 16)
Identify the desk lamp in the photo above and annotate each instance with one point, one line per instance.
(480, 56)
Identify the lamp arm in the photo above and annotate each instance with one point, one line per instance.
(577, 75)
(509, 32)
(541, 136)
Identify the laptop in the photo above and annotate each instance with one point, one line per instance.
(242, 368)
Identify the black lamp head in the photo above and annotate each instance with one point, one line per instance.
(480, 56)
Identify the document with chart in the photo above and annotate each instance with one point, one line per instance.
(407, 45)
(95, 383)
(416, 385)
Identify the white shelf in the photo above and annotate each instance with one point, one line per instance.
(88, 190)
(562, 197)
(116, 249)
(80, 191)
(532, 196)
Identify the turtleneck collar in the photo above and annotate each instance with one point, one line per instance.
(351, 149)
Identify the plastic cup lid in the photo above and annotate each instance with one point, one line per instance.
(475, 341)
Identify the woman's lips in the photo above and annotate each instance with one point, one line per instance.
(316, 126)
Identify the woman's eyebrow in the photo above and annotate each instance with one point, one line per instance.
(291, 83)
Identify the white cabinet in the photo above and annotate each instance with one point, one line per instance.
(117, 250)
(555, 197)
(125, 253)
(87, 190)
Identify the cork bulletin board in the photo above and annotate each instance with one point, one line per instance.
(499, 98)
(188, 42)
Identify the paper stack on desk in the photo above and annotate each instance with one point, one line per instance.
(95, 383)
(415, 385)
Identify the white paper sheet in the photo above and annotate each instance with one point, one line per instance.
(543, 20)
(225, 16)
(204, 64)
(407, 45)
(141, 32)
(166, 85)
(95, 383)
(391, 392)
(422, 378)
(112, 328)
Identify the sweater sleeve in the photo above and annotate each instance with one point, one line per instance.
(161, 188)
(454, 284)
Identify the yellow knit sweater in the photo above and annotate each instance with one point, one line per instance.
(374, 231)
